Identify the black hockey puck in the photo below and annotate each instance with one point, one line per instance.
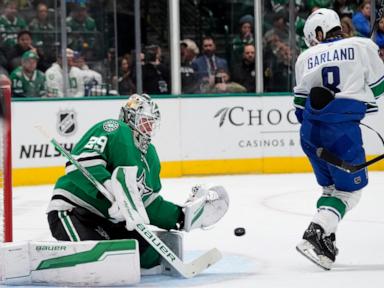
(239, 231)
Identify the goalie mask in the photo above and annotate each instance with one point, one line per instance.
(143, 116)
(318, 24)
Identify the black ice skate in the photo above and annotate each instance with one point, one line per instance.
(318, 247)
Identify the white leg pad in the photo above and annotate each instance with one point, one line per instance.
(87, 263)
(15, 263)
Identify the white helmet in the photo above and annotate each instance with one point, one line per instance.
(323, 20)
(143, 116)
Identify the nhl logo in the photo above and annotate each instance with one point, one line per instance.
(66, 122)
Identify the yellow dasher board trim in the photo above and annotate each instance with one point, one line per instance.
(49, 175)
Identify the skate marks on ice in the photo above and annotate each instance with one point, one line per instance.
(231, 267)
(357, 267)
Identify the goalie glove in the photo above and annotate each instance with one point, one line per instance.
(204, 207)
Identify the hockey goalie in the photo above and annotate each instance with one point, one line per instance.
(99, 240)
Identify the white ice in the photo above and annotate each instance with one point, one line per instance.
(274, 210)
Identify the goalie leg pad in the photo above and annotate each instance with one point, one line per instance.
(174, 240)
(87, 263)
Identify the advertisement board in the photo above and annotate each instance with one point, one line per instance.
(198, 135)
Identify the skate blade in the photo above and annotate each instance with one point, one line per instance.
(307, 250)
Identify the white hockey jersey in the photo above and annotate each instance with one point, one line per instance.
(350, 67)
(55, 84)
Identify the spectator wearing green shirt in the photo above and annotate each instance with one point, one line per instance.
(10, 24)
(244, 37)
(41, 28)
(81, 28)
(27, 81)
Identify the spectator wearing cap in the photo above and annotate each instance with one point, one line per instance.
(188, 52)
(27, 81)
(244, 71)
(10, 24)
(245, 37)
(55, 78)
(361, 19)
(207, 64)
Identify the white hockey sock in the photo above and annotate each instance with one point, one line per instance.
(326, 219)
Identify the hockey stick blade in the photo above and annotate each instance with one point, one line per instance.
(201, 263)
(327, 156)
(186, 270)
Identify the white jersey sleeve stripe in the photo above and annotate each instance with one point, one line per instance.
(377, 82)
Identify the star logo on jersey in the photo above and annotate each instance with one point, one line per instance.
(66, 122)
(110, 125)
(142, 186)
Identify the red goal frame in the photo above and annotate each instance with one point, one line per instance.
(5, 86)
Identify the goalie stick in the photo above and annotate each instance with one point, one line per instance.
(327, 156)
(187, 270)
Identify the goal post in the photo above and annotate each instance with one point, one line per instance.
(5, 161)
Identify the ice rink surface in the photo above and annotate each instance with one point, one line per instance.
(274, 210)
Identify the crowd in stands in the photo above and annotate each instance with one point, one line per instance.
(29, 51)
(30, 47)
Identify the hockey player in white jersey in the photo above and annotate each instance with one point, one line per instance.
(338, 83)
(55, 80)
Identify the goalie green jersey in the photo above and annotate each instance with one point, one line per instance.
(104, 147)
